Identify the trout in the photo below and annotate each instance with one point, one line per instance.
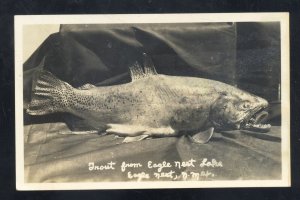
(153, 105)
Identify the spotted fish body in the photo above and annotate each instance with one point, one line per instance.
(151, 105)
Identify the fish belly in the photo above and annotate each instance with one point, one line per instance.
(151, 102)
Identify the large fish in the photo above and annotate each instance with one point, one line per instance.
(152, 105)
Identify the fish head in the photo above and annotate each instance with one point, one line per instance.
(239, 110)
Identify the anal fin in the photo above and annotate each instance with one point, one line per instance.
(135, 138)
(81, 132)
(125, 130)
(202, 137)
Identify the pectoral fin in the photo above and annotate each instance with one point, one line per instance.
(202, 137)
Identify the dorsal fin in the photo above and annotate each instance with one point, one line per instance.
(137, 72)
(148, 65)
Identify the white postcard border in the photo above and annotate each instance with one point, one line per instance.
(283, 18)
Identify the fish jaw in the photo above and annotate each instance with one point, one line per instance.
(255, 121)
(238, 109)
(256, 116)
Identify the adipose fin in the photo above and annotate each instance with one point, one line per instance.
(86, 86)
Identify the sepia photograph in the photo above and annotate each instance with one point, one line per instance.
(152, 101)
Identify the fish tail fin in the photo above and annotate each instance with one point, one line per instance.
(48, 94)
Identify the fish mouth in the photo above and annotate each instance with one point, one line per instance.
(255, 121)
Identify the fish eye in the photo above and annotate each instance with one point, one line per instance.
(245, 105)
(224, 93)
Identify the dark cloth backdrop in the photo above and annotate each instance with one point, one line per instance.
(243, 54)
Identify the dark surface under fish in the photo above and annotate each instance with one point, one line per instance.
(152, 105)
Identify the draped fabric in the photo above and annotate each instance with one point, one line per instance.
(53, 155)
(234, 53)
